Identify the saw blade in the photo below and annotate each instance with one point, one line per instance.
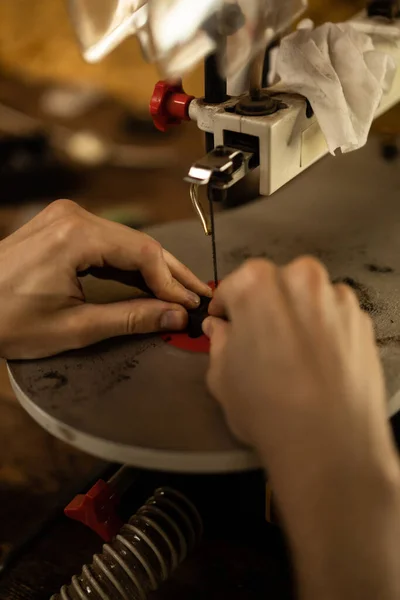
(213, 239)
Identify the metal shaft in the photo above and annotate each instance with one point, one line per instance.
(256, 75)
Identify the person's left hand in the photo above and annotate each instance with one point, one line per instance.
(43, 310)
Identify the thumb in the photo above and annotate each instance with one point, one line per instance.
(217, 330)
(93, 323)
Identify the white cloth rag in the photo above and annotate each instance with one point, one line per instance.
(338, 69)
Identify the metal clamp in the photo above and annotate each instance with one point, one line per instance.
(221, 168)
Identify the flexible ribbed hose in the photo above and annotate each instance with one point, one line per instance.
(144, 553)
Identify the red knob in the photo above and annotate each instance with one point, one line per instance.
(97, 510)
(169, 105)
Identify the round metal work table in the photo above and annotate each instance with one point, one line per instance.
(142, 402)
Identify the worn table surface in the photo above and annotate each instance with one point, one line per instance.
(150, 401)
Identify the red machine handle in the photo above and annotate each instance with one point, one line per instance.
(169, 105)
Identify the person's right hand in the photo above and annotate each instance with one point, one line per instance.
(297, 372)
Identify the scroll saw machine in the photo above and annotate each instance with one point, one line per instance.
(142, 401)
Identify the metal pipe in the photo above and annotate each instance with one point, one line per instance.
(256, 75)
(214, 90)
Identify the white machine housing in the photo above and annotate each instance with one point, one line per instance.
(289, 141)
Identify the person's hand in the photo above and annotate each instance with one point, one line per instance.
(294, 365)
(42, 305)
(294, 351)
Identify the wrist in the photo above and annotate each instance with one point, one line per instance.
(345, 539)
(304, 470)
(329, 491)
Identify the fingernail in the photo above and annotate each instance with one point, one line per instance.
(173, 320)
(193, 299)
(210, 292)
(207, 327)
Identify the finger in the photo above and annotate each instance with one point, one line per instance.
(345, 296)
(220, 304)
(127, 249)
(118, 246)
(186, 277)
(140, 251)
(253, 287)
(90, 323)
(306, 276)
(218, 333)
(160, 280)
(348, 307)
(308, 285)
(217, 307)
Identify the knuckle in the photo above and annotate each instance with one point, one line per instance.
(346, 295)
(67, 228)
(62, 208)
(79, 333)
(151, 249)
(254, 273)
(311, 270)
(131, 323)
(246, 284)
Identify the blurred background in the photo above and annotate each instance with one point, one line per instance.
(69, 129)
